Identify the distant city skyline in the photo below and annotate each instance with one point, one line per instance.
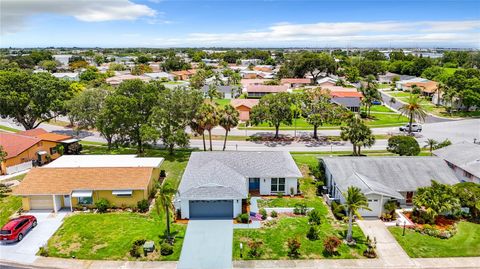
(214, 23)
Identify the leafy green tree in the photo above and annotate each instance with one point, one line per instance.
(99, 59)
(31, 99)
(413, 109)
(403, 145)
(3, 154)
(370, 93)
(140, 69)
(84, 108)
(208, 118)
(41, 55)
(143, 59)
(90, 74)
(174, 63)
(274, 109)
(174, 111)
(198, 80)
(469, 195)
(49, 65)
(358, 134)
(229, 118)
(355, 200)
(318, 110)
(213, 92)
(435, 200)
(352, 74)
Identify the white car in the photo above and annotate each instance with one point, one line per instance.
(415, 128)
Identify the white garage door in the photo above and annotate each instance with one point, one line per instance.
(375, 206)
(41, 202)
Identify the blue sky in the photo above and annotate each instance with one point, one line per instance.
(248, 23)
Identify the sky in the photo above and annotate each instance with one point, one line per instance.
(232, 23)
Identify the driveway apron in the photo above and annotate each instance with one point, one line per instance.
(207, 245)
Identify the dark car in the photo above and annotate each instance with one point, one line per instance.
(16, 228)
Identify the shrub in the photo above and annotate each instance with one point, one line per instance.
(136, 250)
(243, 218)
(294, 245)
(263, 212)
(371, 246)
(279, 194)
(163, 173)
(300, 209)
(273, 214)
(331, 244)
(312, 233)
(142, 205)
(338, 210)
(42, 251)
(102, 205)
(254, 248)
(292, 191)
(403, 145)
(415, 90)
(363, 115)
(166, 249)
(314, 217)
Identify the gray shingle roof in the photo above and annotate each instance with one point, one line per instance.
(399, 174)
(224, 175)
(369, 186)
(347, 101)
(464, 155)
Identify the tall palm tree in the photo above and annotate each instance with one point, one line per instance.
(208, 118)
(213, 92)
(197, 128)
(413, 109)
(370, 93)
(228, 120)
(164, 200)
(430, 144)
(441, 88)
(354, 201)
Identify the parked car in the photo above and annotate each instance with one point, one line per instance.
(376, 102)
(415, 128)
(17, 228)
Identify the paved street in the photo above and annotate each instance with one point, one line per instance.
(207, 245)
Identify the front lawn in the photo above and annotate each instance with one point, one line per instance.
(274, 238)
(9, 205)
(110, 236)
(465, 243)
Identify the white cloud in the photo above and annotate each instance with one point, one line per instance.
(382, 33)
(15, 13)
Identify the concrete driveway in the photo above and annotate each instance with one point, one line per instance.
(207, 244)
(25, 250)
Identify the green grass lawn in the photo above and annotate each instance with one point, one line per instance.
(399, 93)
(465, 243)
(222, 102)
(380, 108)
(274, 238)
(110, 236)
(9, 205)
(8, 129)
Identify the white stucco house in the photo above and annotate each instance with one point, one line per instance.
(464, 159)
(383, 178)
(217, 184)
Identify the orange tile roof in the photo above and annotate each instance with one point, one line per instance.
(64, 180)
(267, 88)
(428, 87)
(15, 144)
(296, 80)
(44, 135)
(346, 94)
(33, 132)
(184, 72)
(244, 102)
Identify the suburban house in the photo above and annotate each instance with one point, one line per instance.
(388, 77)
(67, 76)
(116, 80)
(351, 100)
(29, 148)
(295, 82)
(184, 74)
(258, 81)
(217, 184)
(160, 76)
(405, 85)
(77, 181)
(226, 92)
(464, 159)
(258, 91)
(263, 68)
(427, 88)
(383, 179)
(243, 106)
(326, 82)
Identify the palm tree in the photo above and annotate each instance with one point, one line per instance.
(164, 200)
(441, 88)
(413, 109)
(197, 128)
(208, 118)
(228, 120)
(213, 92)
(370, 93)
(354, 201)
(431, 143)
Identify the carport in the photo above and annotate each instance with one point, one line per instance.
(209, 209)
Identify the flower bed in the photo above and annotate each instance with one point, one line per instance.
(443, 228)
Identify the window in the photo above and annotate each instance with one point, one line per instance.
(53, 150)
(85, 200)
(278, 185)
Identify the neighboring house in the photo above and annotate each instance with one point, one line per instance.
(226, 92)
(247, 62)
(258, 91)
(295, 82)
(184, 74)
(388, 77)
(263, 68)
(244, 106)
(77, 181)
(247, 82)
(351, 100)
(383, 179)
(62, 59)
(160, 76)
(464, 159)
(326, 82)
(29, 148)
(67, 76)
(116, 80)
(217, 184)
(427, 88)
(403, 84)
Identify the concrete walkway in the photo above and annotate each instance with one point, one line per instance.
(207, 245)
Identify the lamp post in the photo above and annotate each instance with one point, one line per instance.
(404, 224)
(241, 250)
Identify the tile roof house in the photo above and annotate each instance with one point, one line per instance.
(383, 178)
(463, 158)
(244, 106)
(216, 184)
(184, 74)
(28, 148)
(295, 82)
(257, 91)
(226, 92)
(116, 80)
(76, 181)
(426, 87)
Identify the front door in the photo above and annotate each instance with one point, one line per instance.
(66, 200)
(254, 183)
(409, 198)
